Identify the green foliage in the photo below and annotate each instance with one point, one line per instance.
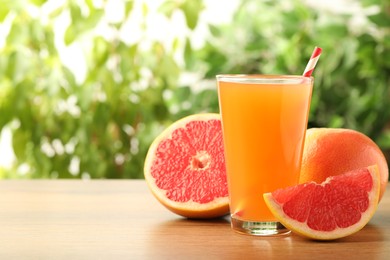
(352, 78)
(102, 125)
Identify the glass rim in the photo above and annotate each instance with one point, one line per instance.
(264, 78)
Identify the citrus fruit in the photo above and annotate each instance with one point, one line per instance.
(338, 207)
(333, 151)
(185, 167)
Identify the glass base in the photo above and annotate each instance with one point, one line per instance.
(259, 228)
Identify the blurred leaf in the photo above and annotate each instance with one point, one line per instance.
(101, 51)
(75, 13)
(129, 4)
(336, 122)
(80, 24)
(92, 20)
(369, 2)
(192, 10)
(384, 140)
(70, 35)
(145, 9)
(215, 31)
(3, 13)
(6, 102)
(20, 140)
(380, 19)
(386, 41)
(90, 4)
(168, 7)
(38, 2)
(188, 54)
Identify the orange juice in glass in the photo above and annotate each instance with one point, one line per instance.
(264, 121)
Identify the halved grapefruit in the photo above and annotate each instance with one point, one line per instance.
(334, 151)
(185, 167)
(338, 207)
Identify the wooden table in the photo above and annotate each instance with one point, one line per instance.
(120, 219)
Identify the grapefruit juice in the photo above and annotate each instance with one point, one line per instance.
(264, 120)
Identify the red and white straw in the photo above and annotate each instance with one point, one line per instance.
(312, 62)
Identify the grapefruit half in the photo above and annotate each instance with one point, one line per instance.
(334, 151)
(185, 167)
(338, 207)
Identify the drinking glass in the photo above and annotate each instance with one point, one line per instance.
(264, 121)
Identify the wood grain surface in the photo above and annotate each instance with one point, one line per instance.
(120, 219)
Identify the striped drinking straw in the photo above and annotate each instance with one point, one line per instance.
(312, 62)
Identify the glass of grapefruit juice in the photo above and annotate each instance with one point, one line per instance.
(264, 121)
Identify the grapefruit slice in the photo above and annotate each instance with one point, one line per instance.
(185, 167)
(338, 207)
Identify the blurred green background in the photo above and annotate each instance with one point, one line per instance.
(85, 86)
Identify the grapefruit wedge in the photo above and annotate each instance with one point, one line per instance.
(185, 167)
(338, 207)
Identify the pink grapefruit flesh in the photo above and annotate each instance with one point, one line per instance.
(338, 207)
(185, 167)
